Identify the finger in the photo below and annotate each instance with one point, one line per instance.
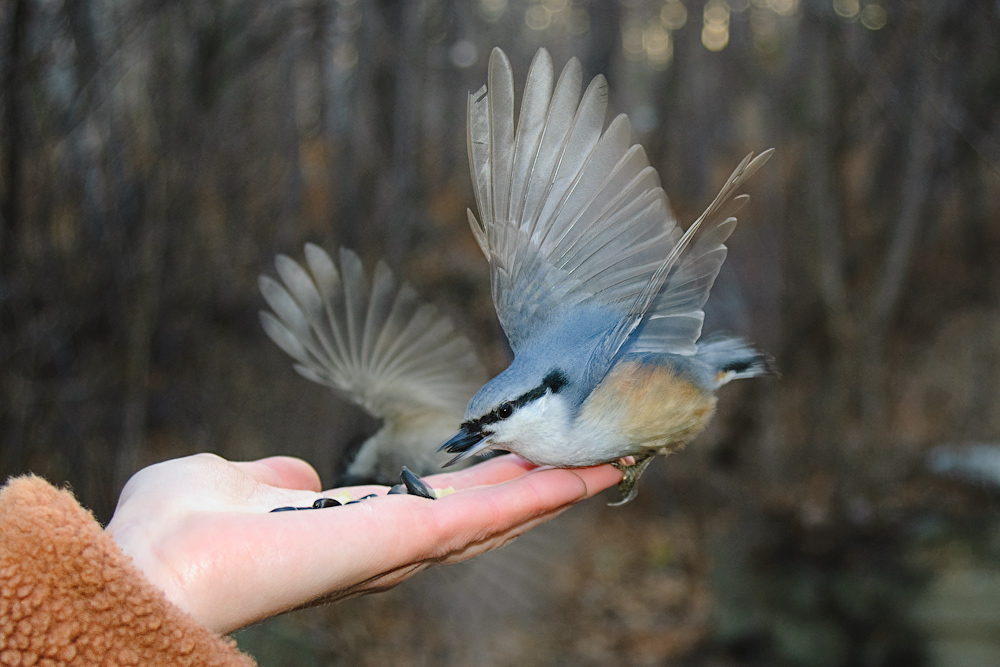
(476, 514)
(494, 471)
(598, 478)
(509, 467)
(284, 472)
(489, 473)
(541, 493)
(499, 540)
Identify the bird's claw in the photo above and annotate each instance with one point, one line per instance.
(631, 472)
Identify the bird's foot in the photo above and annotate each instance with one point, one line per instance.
(631, 470)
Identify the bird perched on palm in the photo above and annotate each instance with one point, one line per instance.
(598, 290)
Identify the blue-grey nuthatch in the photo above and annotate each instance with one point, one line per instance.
(598, 290)
(378, 346)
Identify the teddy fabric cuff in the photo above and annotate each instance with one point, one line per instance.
(69, 596)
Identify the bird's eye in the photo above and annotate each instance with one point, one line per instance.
(505, 410)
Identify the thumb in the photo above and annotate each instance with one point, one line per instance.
(285, 472)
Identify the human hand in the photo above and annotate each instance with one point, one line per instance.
(201, 529)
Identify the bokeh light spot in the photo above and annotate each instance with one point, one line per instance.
(463, 53)
(846, 8)
(785, 7)
(538, 17)
(715, 30)
(873, 17)
(673, 14)
(492, 10)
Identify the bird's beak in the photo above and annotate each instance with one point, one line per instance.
(466, 444)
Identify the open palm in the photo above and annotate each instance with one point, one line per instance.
(200, 528)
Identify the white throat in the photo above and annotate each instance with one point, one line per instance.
(548, 431)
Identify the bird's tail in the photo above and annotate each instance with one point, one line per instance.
(734, 358)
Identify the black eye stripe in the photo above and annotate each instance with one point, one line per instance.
(553, 382)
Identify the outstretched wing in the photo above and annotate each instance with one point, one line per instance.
(376, 345)
(568, 212)
(672, 321)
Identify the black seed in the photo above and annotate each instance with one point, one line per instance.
(398, 488)
(323, 503)
(414, 485)
(284, 509)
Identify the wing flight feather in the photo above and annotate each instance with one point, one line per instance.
(567, 210)
(374, 343)
(572, 214)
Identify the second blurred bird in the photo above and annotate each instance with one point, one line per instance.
(375, 344)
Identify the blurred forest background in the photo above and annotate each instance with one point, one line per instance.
(155, 156)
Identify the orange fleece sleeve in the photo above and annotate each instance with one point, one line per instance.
(69, 596)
